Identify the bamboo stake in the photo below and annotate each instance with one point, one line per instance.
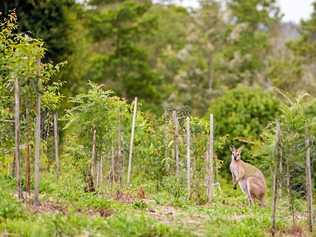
(37, 148)
(56, 143)
(17, 136)
(309, 194)
(275, 177)
(210, 157)
(188, 143)
(176, 142)
(130, 155)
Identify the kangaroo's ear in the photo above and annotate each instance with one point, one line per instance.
(240, 148)
(232, 148)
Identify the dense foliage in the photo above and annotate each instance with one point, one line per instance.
(75, 77)
(242, 114)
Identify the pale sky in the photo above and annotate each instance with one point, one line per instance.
(293, 10)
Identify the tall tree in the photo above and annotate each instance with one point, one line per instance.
(46, 20)
(304, 49)
(204, 41)
(119, 61)
(60, 25)
(248, 44)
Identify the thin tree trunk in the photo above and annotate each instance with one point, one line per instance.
(176, 142)
(112, 177)
(165, 131)
(119, 163)
(56, 144)
(17, 137)
(288, 182)
(282, 181)
(289, 192)
(101, 172)
(188, 143)
(93, 156)
(97, 184)
(309, 194)
(275, 177)
(27, 170)
(210, 157)
(27, 156)
(130, 155)
(37, 148)
(292, 208)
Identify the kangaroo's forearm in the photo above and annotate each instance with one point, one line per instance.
(238, 179)
(234, 179)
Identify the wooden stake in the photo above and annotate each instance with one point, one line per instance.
(165, 131)
(130, 155)
(17, 137)
(275, 176)
(309, 191)
(97, 174)
(119, 162)
(37, 148)
(112, 177)
(27, 157)
(281, 172)
(56, 144)
(188, 143)
(101, 171)
(210, 158)
(176, 142)
(94, 156)
(27, 170)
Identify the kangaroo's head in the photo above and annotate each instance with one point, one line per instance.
(236, 153)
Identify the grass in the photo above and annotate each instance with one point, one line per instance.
(160, 214)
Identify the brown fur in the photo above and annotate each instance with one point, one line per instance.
(250, 179)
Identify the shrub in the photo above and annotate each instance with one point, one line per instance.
(241, 115)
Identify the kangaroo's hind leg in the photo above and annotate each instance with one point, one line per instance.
(256, 188)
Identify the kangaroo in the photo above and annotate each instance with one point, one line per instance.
(250, 179)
